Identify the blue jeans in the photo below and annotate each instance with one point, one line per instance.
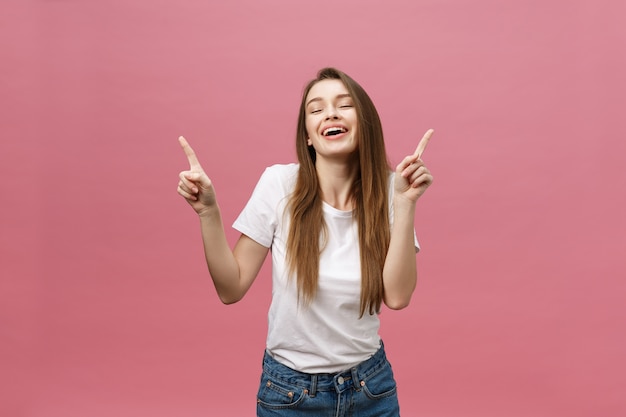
(366, 390)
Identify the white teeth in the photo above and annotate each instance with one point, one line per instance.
(333, 130)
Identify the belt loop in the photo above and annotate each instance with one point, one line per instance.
(355, 379)
(313, 385)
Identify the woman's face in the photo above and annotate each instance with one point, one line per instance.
(331, 120)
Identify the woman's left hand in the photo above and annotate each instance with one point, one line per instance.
(412, 177)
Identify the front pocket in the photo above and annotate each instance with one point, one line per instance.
(277, 394)
(381, 384)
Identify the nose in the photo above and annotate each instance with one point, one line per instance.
(332, 113)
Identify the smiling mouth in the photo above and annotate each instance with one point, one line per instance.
(332, 131)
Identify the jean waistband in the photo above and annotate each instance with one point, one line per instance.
(339, 381)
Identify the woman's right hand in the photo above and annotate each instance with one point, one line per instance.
(194, 185)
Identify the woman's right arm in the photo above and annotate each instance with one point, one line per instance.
(233, 272)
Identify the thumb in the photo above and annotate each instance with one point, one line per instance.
(199, 178)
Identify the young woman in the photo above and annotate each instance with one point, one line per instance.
(340, 226)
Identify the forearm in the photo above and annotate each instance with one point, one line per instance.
(220, 260)
(400, 271)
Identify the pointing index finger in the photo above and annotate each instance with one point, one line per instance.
(422, 145)
(191, 155)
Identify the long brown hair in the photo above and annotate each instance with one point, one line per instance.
(369, 193)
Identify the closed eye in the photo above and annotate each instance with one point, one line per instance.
(345, 104)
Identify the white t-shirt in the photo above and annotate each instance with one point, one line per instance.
(327, 335)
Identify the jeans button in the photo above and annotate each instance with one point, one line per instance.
(340, 380)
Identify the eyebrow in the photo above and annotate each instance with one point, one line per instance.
(340, 96)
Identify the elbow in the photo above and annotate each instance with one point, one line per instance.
(228, 299)
(397, 303)
(398, 299)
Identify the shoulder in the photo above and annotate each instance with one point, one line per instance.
(285, 174)
(282, 170)
(277, 181)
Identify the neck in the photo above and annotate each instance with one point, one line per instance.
(336, 179)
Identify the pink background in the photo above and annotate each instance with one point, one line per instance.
(106, 307)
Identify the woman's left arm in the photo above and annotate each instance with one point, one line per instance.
(400, 271)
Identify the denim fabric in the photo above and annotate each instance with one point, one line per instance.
(366, 390)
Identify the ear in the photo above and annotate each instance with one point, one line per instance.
(308, 141)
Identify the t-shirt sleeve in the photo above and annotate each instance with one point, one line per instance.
(258, 220)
